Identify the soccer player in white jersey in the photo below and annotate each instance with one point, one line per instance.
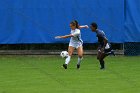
(75, 43)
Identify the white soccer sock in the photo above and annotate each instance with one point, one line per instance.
(67, 60)
(79, 60)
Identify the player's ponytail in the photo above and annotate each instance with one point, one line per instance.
(75, 23)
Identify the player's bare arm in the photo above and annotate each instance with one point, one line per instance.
(83, 26)
(66, 36)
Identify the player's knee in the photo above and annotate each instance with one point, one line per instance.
(70, 53)
(80, 56)
(98, 57)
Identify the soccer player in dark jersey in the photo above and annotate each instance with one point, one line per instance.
(104, 48)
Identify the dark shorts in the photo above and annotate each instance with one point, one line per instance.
(106, 51)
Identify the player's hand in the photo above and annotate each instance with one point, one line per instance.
(86, 26)
(57, 37)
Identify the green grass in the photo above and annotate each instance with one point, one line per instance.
(44, 74)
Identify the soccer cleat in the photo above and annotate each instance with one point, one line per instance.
(78, 66)
(65, 66)
(102, 68)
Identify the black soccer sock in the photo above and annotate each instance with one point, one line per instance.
(102, 63)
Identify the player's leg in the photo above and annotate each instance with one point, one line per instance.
(104, 54)
(100, 56)
(108, 50)
(80, 56)
(67, 60)
(101, 59)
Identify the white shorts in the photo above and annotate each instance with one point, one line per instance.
(76, 45)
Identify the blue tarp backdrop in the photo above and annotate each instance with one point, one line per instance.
(39, 21)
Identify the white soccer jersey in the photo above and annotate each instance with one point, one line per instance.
(76, 40)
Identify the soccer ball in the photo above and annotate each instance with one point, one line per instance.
(64, 54)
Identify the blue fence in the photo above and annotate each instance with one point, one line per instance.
(39, 21)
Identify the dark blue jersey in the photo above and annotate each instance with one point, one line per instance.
(101, 36)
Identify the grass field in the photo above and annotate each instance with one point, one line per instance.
(44, 74)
